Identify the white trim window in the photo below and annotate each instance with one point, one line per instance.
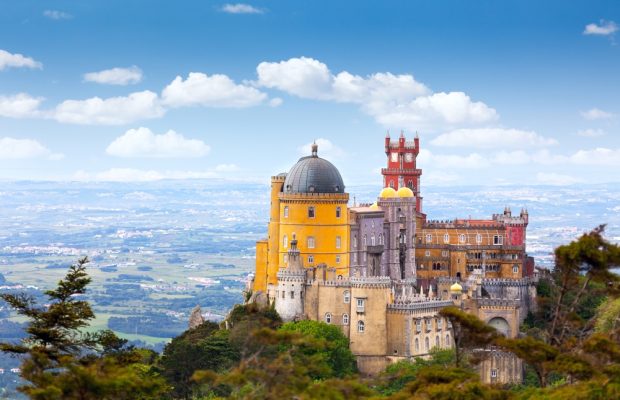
(478, 238)
(345, 319)
(462, 238)
(311, 242)
(429, 238)
(361, 326)
(498, 240)
(328, 318)
(338, 242)
(311, 212)
(446, 238)
(346, 297)
(311, 259)
(285, 212)
(285, 241)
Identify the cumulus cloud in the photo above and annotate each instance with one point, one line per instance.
(597, 156)
(110, 111)
(115, 76)
(9, 60)
(57, 15)
(488, 138)
(142, 142)
(240, 8)
(16, 149)
(595, 113)
(325, 148)
(452, 161)
(393, 100)
(604, 28)
(21, 105)
(591, 133)
(210, 91)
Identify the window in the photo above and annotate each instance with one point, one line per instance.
(345, 319)
(338, 242)
(380, 238)
(498, 239)
(310, 259)
(515, 269)
(444, 253)
(311, 242)
(429, 324)
(478, 238)
(355, 242)
(462, 238)
(437, 341)
(283, 294)
(427, 253)
(417, 345)
(439, 324)
(360, 326)
(354, 257)
(372, 240)
(285, 211)
(364, 241)
(493, 373)
(429, 238)
(426, 344)
(337, 259)
(446, 238)
(448, 344)
(418, 326)
(360, 305)
(347, 297)
(292, 295)
(338, 212)
(311, 212)
(328, 318)
(285, 241)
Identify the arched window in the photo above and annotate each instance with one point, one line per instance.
(448, 344)
(345, 319)
(338, 212)
(311, 242)
(347, 297)
(360, 326)
(417, 345)
(364, 241)
(328, 318)
(426, 344)
(372, 240)
(437, 341)
(478, 238)
(355, 241)
(311, 212)
(462, 238)
(285, 241)
(446, 238)
(285, 212)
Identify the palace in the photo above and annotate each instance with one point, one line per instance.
(382, 271)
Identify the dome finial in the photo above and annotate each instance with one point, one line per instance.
(315, 149)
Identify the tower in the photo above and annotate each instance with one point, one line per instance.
(290, 293)
(401, 165)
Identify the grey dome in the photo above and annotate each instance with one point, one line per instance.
(313, 174)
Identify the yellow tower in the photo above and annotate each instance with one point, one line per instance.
(308, 204)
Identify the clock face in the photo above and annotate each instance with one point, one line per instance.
(394, 157)
(408, 157)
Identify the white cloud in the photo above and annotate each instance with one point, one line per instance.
(598, 156)
(551, 178)
(8, 60)
(595, 113)
(591, 133)
(110, 111)
(604, 28)
(21, 105)
(393, 100)
(275, 102)
(115, 76)
(57, 15)
(449, 161)
(241, 8)
(511, 158)
(139, 175)
(325, 149)
(488, 138)
(142, 142)
(210, 91)
(15, 149)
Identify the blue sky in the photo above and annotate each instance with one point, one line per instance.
(500, 92)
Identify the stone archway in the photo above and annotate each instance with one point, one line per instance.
(501, 325)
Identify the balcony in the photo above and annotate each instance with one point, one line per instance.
(376, 249)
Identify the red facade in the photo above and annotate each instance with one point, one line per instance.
(401, 166)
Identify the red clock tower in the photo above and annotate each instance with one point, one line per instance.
(401, 165)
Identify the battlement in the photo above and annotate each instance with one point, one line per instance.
(423, 305)
(503, 303)
(508, 282)
(340, 197)
(371, 282)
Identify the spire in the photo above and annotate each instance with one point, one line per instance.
(402, 133)
(430, 291)
(315, 149)
(421, 291)
(387, 134)
(294, 260)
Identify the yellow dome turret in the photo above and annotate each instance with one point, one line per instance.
(388, 193)
(456, 288)
(374, 206)
(404, 191)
